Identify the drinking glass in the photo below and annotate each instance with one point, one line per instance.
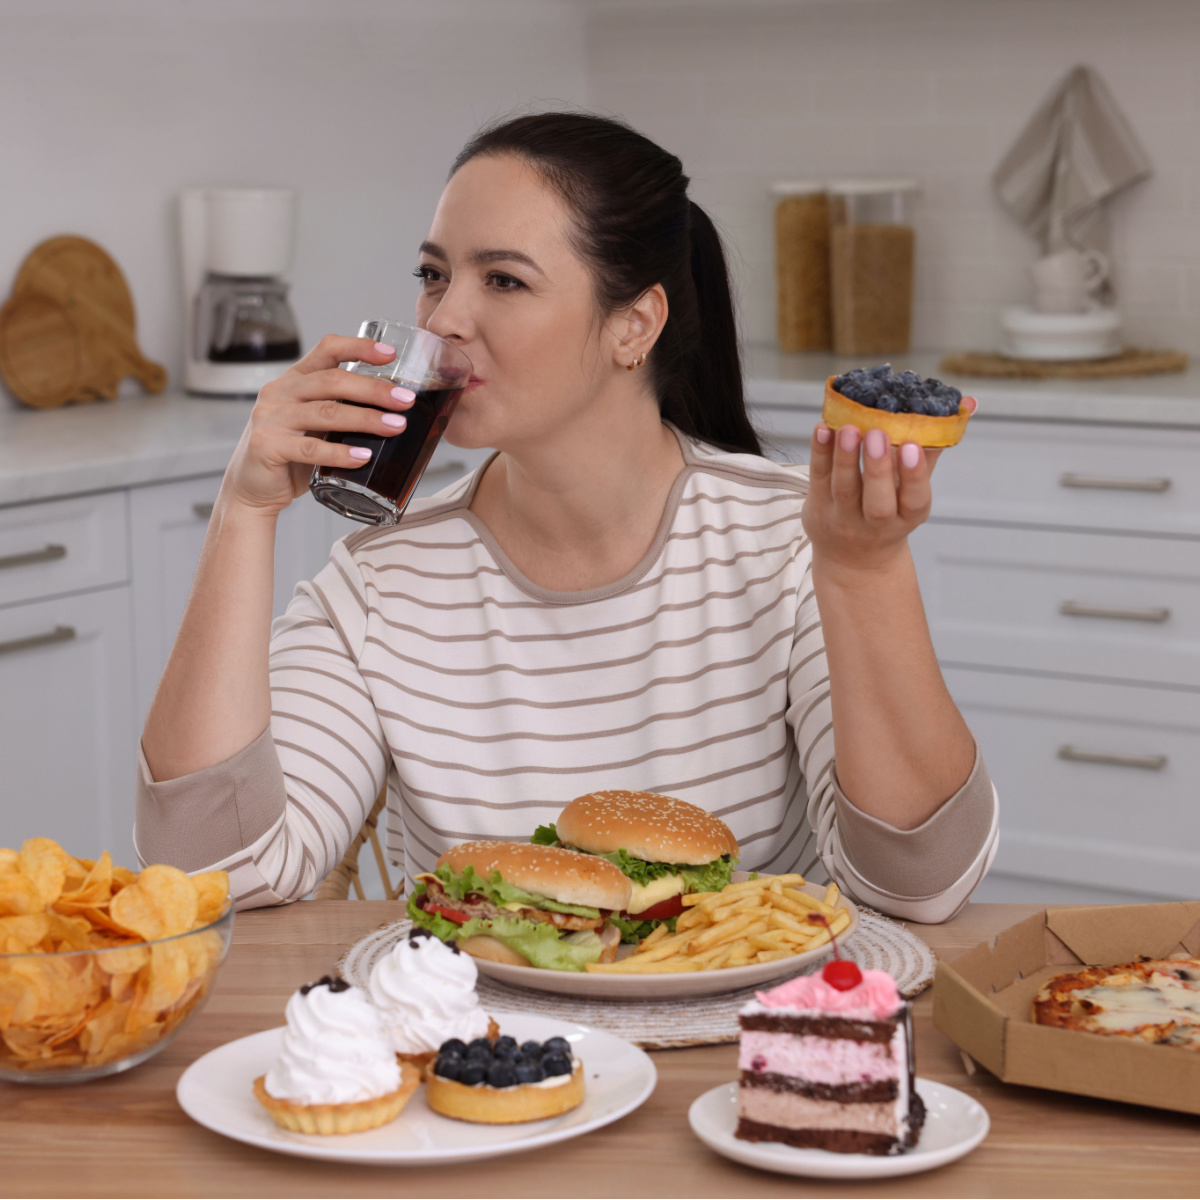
(437, 371)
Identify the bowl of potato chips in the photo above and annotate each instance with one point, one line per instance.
(100, 966)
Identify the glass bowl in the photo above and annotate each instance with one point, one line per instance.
(82, 1014)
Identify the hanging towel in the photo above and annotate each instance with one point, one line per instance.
(1076, 152)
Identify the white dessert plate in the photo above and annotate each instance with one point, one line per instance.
(216, 1091)
(954, 1125)
(664, 987)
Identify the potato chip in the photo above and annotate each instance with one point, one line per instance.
(124, 960)
(45, 862)
(95, 888)
(19, 895)
(123, 877)
(19, 935)
(160, 904)
(212, 890)
(10, 861)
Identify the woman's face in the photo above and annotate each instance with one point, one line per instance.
(501, 280)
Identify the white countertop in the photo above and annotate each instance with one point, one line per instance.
(112, 444)
(144, 439)
(780, 380)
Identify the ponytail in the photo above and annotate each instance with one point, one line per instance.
(636, 227)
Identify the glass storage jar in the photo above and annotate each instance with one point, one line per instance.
(872, 250)
(802, 266)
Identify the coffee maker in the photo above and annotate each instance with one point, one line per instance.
(237, 249)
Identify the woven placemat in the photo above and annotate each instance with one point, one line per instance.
(665, 1024)
(1128, 362)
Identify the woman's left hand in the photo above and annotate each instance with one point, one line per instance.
(859, 517)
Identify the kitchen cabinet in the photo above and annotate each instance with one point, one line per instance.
(1060, 570)
(92, 590)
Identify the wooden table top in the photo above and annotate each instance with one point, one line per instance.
(127, 1136)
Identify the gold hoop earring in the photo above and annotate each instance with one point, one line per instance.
(637, 362)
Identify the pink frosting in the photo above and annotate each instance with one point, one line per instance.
(875, 999)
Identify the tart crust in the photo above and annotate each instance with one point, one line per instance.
(502, 1106)
(901, 427)
(354, 1117)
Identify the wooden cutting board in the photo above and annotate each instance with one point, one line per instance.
(69, 332)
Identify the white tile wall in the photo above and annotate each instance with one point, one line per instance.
(751, 92)
(107, 110)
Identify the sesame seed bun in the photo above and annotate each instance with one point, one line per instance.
(557, 874)
(648, 826)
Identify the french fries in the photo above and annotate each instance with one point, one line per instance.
(760, 920)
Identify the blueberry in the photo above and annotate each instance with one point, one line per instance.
(502, 1075)
(506, 1042)
(531, 1049)
(888, 403)
(448, 1066)
(909, 377)
(507, 1053)
(454, 1046)
(556, 1064)
(481, 1044)
(883, 371)
(557, 1045)
(473, 1073)
(529, 1070)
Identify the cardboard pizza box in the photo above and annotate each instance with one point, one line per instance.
(983, 1003)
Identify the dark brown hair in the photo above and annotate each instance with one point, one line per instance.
(636, 227)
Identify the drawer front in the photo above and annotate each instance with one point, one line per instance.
(62, 546)
(1122, 607)
(67, 739)
(1097, 782)
(1089, 477)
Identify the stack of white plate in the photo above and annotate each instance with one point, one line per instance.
(1061, 336)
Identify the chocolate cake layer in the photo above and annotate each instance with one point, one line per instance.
(826, 1027)
(876, 1091)
(841, 1141)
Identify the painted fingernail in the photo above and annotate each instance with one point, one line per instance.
(910, 454)
(393, 420)
(824, 435)
(384, 348)
(399, 393)
(876, 443)
(360, 452)
(848, 437)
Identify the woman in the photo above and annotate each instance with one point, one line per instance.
(625, 596)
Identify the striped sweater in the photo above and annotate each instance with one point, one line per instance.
(423, 658)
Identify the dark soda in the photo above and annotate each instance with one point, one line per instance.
(396, 464)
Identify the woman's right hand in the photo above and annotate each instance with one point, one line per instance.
(284, 438)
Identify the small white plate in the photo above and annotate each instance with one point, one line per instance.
(217, 1091)
(954, 1125)
(601, 985)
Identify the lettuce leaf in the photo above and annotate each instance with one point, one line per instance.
(709, 877)
(633, 930)
(500, 892)
(539, 941)
(545, 835)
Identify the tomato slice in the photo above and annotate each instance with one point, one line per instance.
(450, 914)
(660, 911)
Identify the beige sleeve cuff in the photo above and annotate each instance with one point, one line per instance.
(924, 862)
(203, 818)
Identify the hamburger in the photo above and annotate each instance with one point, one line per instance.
(667, 847)
(529, 906)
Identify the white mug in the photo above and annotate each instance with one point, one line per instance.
(1069, 280)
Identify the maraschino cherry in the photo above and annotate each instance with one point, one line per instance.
(842, 975)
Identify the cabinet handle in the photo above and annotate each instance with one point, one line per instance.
(60, 633)
(47, 554)
(1154, 616)
(203, 511)
(450, 468)
(1144, 762)
(1110, 483)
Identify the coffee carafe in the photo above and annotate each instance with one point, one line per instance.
(237, 249)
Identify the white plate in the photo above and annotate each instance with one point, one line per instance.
(216, 1091)
(954, 1125)
(664, 987)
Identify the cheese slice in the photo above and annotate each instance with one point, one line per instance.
(655, 892)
